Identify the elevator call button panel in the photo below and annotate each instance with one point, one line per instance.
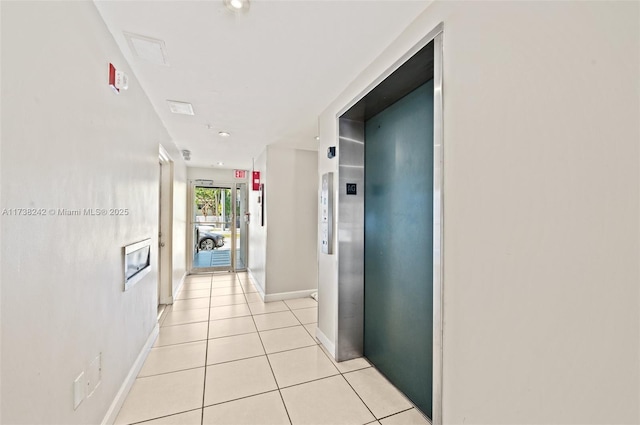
(326, 213)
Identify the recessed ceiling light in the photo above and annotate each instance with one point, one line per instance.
(317, 137)
(237, 5)
(147, 48)
(180, 107)
(224, 134)
(220, 163)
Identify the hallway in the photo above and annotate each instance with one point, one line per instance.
(225, 357)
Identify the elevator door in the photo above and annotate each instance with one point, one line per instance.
(398, 330)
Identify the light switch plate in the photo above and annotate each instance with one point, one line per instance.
(78, 390)
(94, 375)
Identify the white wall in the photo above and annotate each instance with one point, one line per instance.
(257, 232)
(292, 203)
(179, 208)
(541, 240)
(283, 253)
(179, 247)
(69, 142)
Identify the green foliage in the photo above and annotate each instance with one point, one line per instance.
(209, 200)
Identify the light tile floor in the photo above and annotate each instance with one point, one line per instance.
(225, 357)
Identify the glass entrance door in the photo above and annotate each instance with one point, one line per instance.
(213, 228)
(241, 239)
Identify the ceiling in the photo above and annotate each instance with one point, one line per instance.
(264, 75)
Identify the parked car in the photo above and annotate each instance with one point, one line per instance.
(208, 240)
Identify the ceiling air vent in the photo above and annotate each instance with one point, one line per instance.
(147, 48)
(183, 108)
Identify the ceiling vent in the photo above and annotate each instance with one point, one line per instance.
(147, 48)
(183, 108)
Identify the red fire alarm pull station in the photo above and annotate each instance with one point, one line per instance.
(112, 78)
(118, 80)
(256, 180)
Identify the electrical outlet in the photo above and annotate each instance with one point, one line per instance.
(94, 375)
(79, 388)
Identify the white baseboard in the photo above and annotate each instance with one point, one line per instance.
(280, 295)
(178, 288)
(255, 284)
(118, 401)
(330, 346)
(289, 295)
(166, 300)
(260, 292)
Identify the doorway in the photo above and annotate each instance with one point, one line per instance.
(241, 223)
(160, 241)
(165, 229)
(218, 226)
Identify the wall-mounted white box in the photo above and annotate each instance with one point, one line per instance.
(137, 262)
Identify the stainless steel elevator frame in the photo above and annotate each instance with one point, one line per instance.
(349, 342)
(350, 221)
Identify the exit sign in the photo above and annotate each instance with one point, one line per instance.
(241, 174)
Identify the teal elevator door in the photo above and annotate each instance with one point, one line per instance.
(398, 294)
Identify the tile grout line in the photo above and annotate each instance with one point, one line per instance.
(206, 354)
(315, 340)
(240, 398)
(317, 343)
(349, 384)
(310, 381)
(180, 343)
(358, 395)
(276, 329)
(253, 357)
(363, 402)
(236, 360)
(290, 349)
(170, 372)
(164, 416)
(340, 373)
(175, 371)
(260, 331)
(270, 367)
(279, 388)
(397, 413)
